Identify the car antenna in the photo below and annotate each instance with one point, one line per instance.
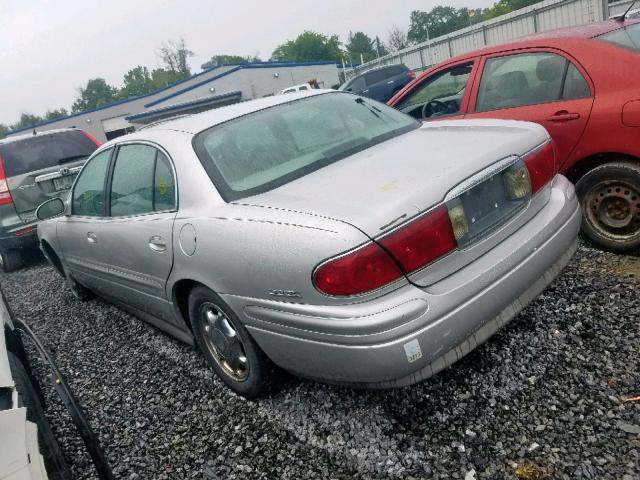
(33, 125)
(621, 18)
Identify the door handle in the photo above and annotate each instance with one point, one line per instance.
(563, 116)
(92, 237)
(390, 82)
(157, 244)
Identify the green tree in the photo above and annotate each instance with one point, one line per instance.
(26, 120)
(308, 47)
(229, 60)
(4, 130)
(360, 45)
(175, 54)
(57, 113)
(438, 21)
(137, 81)
(97, 93)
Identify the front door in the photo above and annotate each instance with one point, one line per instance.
(79, 234)
(538, 86)
(138, 231)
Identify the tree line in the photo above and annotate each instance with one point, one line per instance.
(307, 47)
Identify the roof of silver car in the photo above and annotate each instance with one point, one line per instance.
(200, 121)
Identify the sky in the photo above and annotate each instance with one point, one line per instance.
(50, 48)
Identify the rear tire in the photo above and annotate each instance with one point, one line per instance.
(227, 345)
(10, 260)
(610, 200)
(48, 445)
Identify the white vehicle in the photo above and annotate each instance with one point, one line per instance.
(303, 87)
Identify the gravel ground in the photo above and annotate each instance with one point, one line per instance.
(545, 395)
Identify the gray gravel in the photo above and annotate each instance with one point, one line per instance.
(545, 394)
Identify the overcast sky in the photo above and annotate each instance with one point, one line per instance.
(50, 48)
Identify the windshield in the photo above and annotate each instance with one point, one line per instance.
(627, 37)
(44, 151)
(271, 147)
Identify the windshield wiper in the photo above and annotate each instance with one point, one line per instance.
(71, 159)
(372, 108)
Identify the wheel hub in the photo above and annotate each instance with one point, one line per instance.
(614, 210)
(224, 342)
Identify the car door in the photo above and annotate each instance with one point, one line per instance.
(137, 233)
(543, 86)
(378, 86)
(79, 232)
(442, 94)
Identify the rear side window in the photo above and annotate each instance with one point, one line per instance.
(628, 37)
(44, 151)
(354, 85)
(142, 182)
(378, 76)
(88, 192)
(575, 86)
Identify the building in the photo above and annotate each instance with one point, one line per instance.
(215, 87)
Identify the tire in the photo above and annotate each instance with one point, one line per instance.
(27, 396)
(225, 342)
(10, 260)
(610, 200)
(80, 292)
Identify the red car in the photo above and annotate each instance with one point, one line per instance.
(583, 85)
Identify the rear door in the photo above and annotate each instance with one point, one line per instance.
(43, 166)
(378, 86)
(137, 235)
(442, 94)
(539, 85)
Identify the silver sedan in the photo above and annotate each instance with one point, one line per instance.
(322, 232)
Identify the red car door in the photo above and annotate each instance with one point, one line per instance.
(538, 85)
(443, 93)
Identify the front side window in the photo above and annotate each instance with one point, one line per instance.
(354, 85)
(522, 79)
(271, 147)
(142, 182)
(627, 37)
(439, 95)
(88, 193)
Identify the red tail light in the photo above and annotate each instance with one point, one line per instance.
(5, 194)
(92, 138)
(421, 241)
(411, 246)
(411, 74)
(541, 165)
(360, 271)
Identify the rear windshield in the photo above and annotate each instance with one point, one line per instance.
(43, 151)
(271, 147)
(627, 37)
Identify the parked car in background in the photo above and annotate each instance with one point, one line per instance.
(296, 88)
(583, 85)
(33, 168)
(380, 83)
(324, 232)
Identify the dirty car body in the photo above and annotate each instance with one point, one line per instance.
(353, 244)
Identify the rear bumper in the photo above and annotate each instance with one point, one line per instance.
(11, 241)
(412, 333)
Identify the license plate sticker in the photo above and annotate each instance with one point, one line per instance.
(63, 183)
(412, 350)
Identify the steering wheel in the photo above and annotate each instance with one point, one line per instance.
(436, 107)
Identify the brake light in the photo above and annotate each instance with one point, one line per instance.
(356, 272)
(5, 194)
(92, 138)
(541, 165)
(421, 241)
(411, 74)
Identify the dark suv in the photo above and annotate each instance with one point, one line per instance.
(380, 83)
(33, 168)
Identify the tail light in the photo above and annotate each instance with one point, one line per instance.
(92, 138)
(5, 194)
(541, 165)
(411, 74)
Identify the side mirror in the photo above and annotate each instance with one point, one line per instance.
(49, 209)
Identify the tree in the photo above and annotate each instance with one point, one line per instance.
(137, 81)
(4, 130)
(229, 60)
(435, 23)
(308, 47)
(380, 47)
(397, 39)
(53, 114)
(97, 93)
(360, 46)
(174, 54)
(26, 120)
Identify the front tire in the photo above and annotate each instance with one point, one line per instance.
(610, 200)
(10, 260)
(227, 345)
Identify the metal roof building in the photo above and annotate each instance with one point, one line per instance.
(215, 87)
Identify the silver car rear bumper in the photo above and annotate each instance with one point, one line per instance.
(412, 333)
